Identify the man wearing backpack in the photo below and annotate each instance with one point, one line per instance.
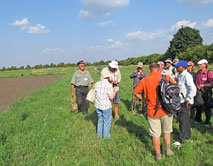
(187, 92)
(162, 120)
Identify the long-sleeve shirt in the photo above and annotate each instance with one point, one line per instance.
(137, 77)
(187, 87)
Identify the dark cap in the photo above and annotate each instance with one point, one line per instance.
(80, 62)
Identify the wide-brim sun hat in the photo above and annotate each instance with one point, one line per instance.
(181, 63)
(168, 61)
(105, 74)
(113, 64)
(203, 61)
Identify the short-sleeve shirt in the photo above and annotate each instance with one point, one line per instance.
(103, 89)
(116, 76)
(79, 79)
(148, 85)
(201, 77)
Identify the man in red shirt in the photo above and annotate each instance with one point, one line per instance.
(162, 120)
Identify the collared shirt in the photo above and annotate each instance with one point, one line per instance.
(148, 85)
(187, 87)
(201, 77)
(137, 77)
(80, 79)
(116, 76)
(103, 89)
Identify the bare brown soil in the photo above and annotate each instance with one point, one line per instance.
(15, 88)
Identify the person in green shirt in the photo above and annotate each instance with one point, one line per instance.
(81, 80)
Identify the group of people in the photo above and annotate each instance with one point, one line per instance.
(177, 72)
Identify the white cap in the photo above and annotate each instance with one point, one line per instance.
(202, 62)
(160, 63)
(105, 73)
(113, 64)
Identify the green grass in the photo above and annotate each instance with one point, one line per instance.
(41, 130)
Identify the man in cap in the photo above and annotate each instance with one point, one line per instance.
(187, 93)
(170, 69)
(161, 64)
(175, 61)
(203, 80)
(116, 79)
(80, 81)
(138, 75)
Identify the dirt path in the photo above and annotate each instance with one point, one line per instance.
(18, 87)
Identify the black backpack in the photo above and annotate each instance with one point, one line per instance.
(168, 94)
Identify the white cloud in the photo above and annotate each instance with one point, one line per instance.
(100, 8)
(38, 29)
(196, 2)
(110, 40)
(23, 22)
(183, 23)
(115, 44)
(52, 50)
(209, 23)
(141, 35)
(105, 23)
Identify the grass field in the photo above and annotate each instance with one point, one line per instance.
(41, 130)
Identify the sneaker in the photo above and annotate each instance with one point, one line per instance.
(177, 144)
(169, 153)
(158, 158)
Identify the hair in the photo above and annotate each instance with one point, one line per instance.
(154, 66)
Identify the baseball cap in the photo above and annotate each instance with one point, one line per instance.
(202, 62)
(190, 63)
(140, 64)
(181, 63)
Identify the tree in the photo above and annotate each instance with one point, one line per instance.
(186, 37)
(28, 67)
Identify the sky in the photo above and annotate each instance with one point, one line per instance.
(53, 31)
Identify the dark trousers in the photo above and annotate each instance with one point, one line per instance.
(81, 94)
(199, 113)
(184, 123)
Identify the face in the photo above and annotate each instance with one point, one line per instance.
(112, 69)
(161, 66)
(81, 66)
(168, 64)
(180, 69)
(189, 68)
(202, 66)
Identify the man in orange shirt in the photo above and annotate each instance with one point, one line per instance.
(162, 120)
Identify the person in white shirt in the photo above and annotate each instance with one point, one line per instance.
(104, 94)
(187, 92)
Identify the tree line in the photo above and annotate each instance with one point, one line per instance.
(187, 44)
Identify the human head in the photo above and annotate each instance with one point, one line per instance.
(140, 64)
(161, 64)
(175, 61)
(154, 67)
(168, 62)
(81, 65)
(105, 74)
(113, 66)
(190, 67)
(181, 66)
(202, 64)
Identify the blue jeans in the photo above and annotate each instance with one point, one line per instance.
(104, 122)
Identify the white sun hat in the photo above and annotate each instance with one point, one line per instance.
(113, 64)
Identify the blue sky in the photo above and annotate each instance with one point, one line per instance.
(52, 31)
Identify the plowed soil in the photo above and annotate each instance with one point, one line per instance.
(15, 88)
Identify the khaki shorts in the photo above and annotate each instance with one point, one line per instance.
(156, 124)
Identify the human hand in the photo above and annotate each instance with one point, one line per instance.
(115, 82)
(187, 104)
(200, 86)
(73, 94)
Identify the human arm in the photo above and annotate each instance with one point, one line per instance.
(114, 93)
(191, 89)
(72, 90)
(134, 74)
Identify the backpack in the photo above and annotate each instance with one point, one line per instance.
(168, 94)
